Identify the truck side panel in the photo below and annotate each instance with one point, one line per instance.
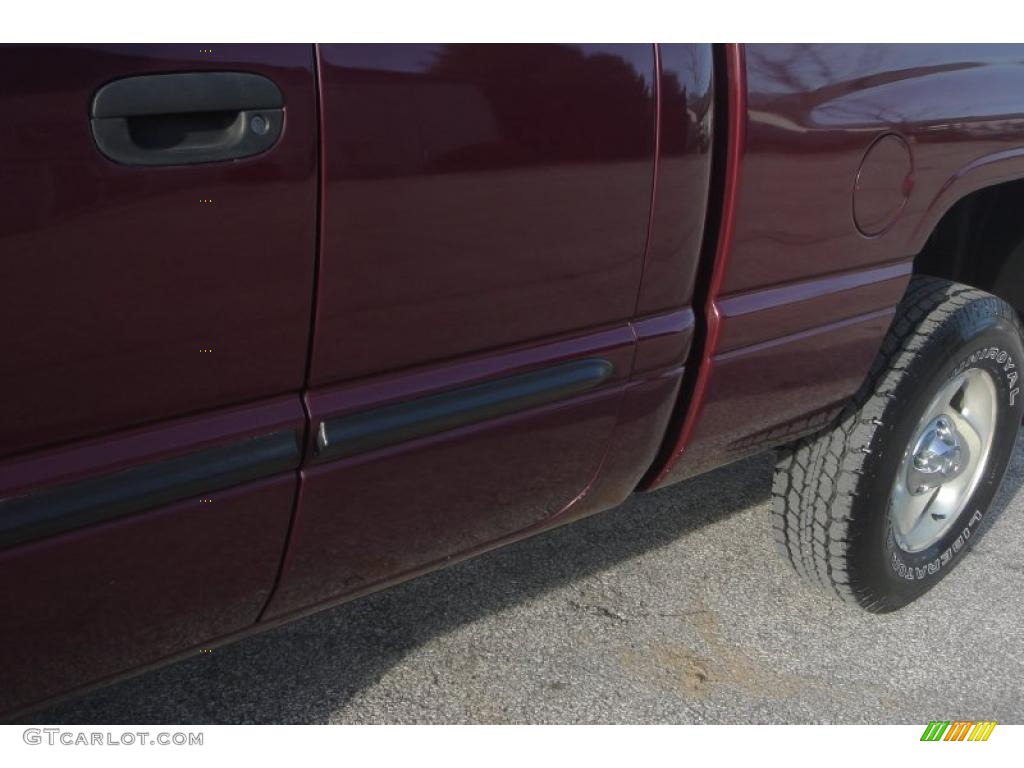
(843, 159)
(486, 215)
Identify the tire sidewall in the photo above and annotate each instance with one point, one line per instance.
(979, 335)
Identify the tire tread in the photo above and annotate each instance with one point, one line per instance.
(816, 478)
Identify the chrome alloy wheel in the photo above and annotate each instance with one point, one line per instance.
(945, 460)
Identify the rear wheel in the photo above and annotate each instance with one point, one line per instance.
(882, 505)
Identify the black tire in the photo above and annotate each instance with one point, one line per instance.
(831, 491)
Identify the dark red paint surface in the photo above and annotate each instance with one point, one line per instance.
(884, 182)
(800, 120)
(772, 386)
(812, 113)
(786, 308)
(108, 454)
(483, 211)
(477, 196)
(488, 206)
(112, 278)
(367, 520)
(94, 602)
(732, 94)
(685, 131)
(108, 598)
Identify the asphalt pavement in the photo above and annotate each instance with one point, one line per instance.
(672, 608)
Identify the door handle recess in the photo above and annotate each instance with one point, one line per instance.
(187, 118)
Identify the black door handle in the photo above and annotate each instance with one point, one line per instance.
(180, 119)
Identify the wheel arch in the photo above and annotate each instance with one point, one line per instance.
(978, 239)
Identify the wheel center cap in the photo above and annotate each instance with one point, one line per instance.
(939, 456)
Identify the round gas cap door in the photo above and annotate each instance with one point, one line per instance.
(883, 184)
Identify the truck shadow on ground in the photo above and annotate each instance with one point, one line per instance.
(307, 670)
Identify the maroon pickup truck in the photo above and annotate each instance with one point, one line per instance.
(283, 325)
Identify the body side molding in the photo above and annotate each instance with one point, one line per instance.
(68, 506)
(365, 431)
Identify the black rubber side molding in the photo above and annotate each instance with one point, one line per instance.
(368, 430)
(77, 504)
(186, 118)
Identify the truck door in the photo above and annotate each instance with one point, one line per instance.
(157, 253)
(483, 221)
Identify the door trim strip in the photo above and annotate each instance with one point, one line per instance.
(364, 431)
(68, 506)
